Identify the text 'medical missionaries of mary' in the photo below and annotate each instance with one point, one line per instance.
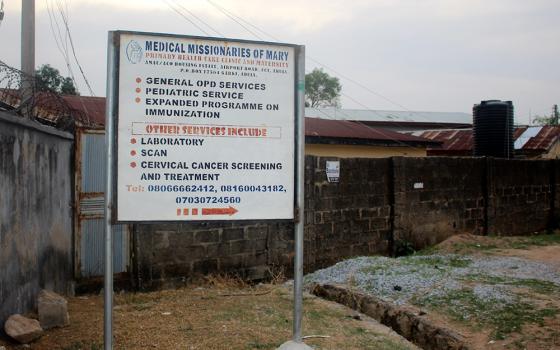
(205, 129)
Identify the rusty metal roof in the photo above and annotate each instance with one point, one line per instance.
(462, 140)
(390, 116)
(315, 127)
(544, 139)
(453, 140)
(93, 107)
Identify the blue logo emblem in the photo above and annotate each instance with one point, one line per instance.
(133, 52)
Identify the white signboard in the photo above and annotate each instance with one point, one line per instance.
(333, 170)
(205, 129)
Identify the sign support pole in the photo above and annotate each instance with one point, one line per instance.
(109, 145)
(297, 340)
(298, 261)
(300, 198)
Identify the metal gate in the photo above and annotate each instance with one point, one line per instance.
(89, 212)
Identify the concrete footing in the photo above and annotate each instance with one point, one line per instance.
(292, 345)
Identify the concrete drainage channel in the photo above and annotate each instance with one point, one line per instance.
(406, 321)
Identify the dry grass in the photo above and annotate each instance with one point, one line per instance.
(223, 313)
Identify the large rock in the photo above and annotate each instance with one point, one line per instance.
(53, 310)
(23, 329)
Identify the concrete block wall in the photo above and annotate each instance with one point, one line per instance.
(376, 204)
(342, 219)
(174, 253)
(438, 197)
(351, 217)
(520, 196)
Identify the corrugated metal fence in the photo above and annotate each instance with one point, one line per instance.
(90, 187)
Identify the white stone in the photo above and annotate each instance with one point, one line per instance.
(23, 329)
(53, 310)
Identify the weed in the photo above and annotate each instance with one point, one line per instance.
(256, 344)
(504, 318)
(352, 280)
(403, 248)
(359, 331)
(539, 286)
(277, 274)
(535, 285)
(438, 261)
(226, 281)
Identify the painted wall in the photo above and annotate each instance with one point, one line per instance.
(360, 151)
(553, 152)
(35, 212)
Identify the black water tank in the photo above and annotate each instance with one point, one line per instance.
(493, 129)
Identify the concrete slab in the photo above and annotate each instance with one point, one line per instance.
(292, 345)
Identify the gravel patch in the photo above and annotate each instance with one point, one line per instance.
(408, 279)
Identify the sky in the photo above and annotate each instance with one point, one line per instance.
(418, 55)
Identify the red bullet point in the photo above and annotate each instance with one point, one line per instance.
(133, 164)
(137, 99)
(133, 141)
(138, 90)
(138, 80)
(133, 153)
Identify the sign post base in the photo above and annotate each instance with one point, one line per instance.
(292, 345)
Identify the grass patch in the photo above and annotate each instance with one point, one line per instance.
(503, 317)
(540, 240)
(539, 286)
(438, 261)
(260, 345)
(366, 339)
(535, 285)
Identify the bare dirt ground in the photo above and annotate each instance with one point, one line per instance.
(521, 247)
(223, 315)
(498, 292)
(539, 248)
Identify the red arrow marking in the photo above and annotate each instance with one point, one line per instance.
(219, 211)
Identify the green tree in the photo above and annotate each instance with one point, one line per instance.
(50, 78)
(552, 119)
(321, 90)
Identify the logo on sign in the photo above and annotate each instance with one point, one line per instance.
(133, 52)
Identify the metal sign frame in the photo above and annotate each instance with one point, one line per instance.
(112, 107)
(113, 100)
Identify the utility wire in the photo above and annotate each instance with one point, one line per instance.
(186, 18)
(62, 45)
(198, 18)
(378, 130)
(69, 35)
(233, 17)
(239, 19)
(57, 35)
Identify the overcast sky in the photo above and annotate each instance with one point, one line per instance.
(421, 55)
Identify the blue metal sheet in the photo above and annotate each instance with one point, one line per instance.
(92, 206)
(91, 211)
(93, 163)
(92, 248)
